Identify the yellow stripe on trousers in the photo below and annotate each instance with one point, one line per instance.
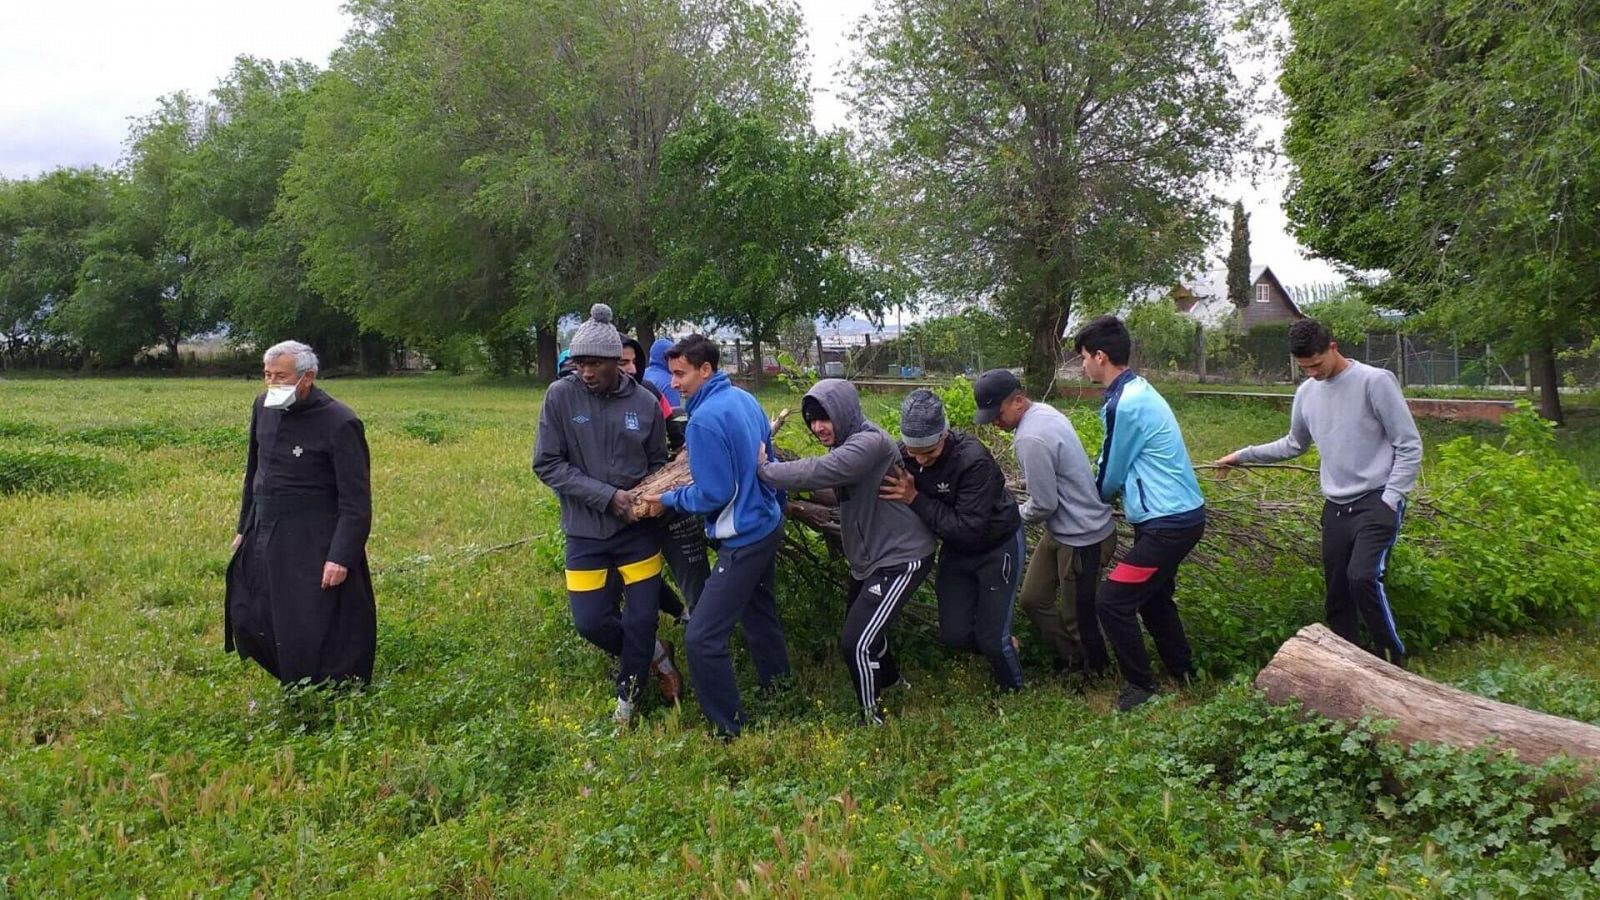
(633, 573)
(582, 580)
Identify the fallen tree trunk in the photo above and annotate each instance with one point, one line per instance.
(1334, 677)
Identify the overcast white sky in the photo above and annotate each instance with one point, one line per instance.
(74, 72)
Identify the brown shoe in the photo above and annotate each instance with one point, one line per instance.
(666, 671)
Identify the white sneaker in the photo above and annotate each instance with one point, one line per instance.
(623, 713)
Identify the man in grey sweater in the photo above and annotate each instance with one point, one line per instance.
(1371, 454)
(888, 548)
(1079, 536)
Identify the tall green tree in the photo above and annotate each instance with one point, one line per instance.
(759, 228)
(245, 258)
(1239, 257)
(1047, 154)
(132, 290)
(44, 226)
(483, 168)
(1452, 143)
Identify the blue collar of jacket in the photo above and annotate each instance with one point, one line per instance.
(716, 384)
(1120, 382)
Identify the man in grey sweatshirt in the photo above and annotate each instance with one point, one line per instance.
(1079, 536)
(1371, 454)
(888, 548)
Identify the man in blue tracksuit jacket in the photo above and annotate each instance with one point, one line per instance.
(744, 518)
(657, 373)
(1143, 459)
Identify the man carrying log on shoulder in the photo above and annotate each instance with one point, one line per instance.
(957, 489)
(887, 547)
(1371, 454)
(744, 517)
(600, 435)
(1058, 592)
(1144, 460)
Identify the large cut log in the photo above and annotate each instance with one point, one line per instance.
(1341, 681)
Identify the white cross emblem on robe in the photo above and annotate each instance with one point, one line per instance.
(297, 450)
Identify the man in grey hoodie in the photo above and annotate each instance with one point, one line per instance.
(1058, 591)
(888, 548)
(1371, 454)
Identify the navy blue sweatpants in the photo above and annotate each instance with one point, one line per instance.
(739, 591)
(628, 633)
(1356, 540)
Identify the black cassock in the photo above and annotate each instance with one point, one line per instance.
(307, 500)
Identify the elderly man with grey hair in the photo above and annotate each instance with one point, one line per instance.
(299, 598)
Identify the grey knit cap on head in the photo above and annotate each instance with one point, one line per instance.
(597, 337)
(922, 421)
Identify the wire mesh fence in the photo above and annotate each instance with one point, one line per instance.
(1424, 360)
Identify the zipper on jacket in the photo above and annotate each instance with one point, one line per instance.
(1143, 501)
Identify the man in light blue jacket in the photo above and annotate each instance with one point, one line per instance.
(1145, 461)
(727, 434)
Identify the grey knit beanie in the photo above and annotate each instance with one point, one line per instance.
(922, 421)
(597, 337)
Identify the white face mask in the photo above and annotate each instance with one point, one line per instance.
(282, 396)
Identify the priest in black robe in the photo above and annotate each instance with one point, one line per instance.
(299, 596)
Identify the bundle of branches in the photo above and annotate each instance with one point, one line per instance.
(675, 474)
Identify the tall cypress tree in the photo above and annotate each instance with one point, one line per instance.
(1239, 257)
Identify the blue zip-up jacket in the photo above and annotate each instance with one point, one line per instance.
(657, 374)
(1144, 458)
(726, 425)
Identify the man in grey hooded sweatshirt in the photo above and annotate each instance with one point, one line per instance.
(888, 548)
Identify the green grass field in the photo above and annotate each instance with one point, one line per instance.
(136, 758)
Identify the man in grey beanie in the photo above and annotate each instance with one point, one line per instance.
(600, 435)
(955, 487)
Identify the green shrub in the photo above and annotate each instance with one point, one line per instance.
(428, 426)
(51, 472)
(1343, 783)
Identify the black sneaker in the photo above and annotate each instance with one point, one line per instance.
(1132, 695)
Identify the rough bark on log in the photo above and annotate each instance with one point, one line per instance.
(1334, 677)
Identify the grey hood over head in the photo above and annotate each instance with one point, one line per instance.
(840, 403)
(876, 533)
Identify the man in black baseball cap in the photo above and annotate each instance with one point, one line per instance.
(1058, 590)
(992, 389)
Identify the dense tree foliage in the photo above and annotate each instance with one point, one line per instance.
(1453, 145)
(1045, 155)
(466, 174)
(757, 228)
(1239, 257)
